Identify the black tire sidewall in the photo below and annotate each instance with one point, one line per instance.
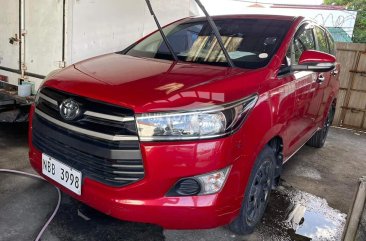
(240, 225)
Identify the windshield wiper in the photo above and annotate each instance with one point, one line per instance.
(216, 33)
(161, 31)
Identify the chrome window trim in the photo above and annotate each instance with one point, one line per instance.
(84, 131)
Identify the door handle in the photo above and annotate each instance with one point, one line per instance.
(335, 72)
(320, 78)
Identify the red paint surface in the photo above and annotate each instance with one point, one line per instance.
(313, 56)
(291, 107)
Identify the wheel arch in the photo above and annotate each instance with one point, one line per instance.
(276, 143)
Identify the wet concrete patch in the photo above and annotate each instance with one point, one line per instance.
(75, 221)
(292, 215)
(25, 205)
(308, 172)
(340, 163)
(296, 215)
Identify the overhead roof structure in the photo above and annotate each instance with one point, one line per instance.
(339, 35)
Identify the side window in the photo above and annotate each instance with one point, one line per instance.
(322, 40)
(331, 44)
(303, 40)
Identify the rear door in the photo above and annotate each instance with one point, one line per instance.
(9, 35)
(302, 123)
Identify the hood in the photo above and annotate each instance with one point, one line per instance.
(150, 85)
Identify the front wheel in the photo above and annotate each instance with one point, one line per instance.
(257, 193)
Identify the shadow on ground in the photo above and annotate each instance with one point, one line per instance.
(75, 221)
(26, 204)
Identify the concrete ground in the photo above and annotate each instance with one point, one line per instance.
(316, 193)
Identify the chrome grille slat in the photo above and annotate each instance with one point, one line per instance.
(85, 131)
(126, 179)
(132, 173)
(109, 117)
(103, 146)
(127, 166)
(48, 99)
(91, 113)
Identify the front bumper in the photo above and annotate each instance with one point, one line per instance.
(145, 201)
(166, 163)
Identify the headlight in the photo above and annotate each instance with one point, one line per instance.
(199, 124)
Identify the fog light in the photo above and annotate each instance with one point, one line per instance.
(213, 182)
(200, 185)
(188, 187)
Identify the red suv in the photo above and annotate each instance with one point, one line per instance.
(192, 141)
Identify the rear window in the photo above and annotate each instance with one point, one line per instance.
(251, 43)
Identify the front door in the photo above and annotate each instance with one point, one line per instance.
(303, 122)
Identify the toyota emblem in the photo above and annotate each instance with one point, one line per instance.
(69, 109)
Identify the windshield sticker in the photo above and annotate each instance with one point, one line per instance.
(263, 55)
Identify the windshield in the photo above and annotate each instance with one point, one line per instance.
(251, 43)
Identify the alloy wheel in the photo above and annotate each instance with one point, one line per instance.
(259, 192)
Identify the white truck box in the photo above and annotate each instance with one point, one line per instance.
(38, 36)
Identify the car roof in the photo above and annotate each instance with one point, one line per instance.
(252, 16)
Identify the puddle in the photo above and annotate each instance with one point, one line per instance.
(299, 216)
(291, 215)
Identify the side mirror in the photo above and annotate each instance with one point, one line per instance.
(311, 60)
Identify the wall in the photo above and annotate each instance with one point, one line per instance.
(102, 26)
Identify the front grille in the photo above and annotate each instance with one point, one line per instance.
(50, 100)
(88, 143)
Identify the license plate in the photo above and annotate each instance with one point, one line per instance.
(61, 173)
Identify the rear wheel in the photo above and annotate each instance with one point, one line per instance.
(318, 139)
(257, 193)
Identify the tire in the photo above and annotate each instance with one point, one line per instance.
(258, 189)
(318, 139)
